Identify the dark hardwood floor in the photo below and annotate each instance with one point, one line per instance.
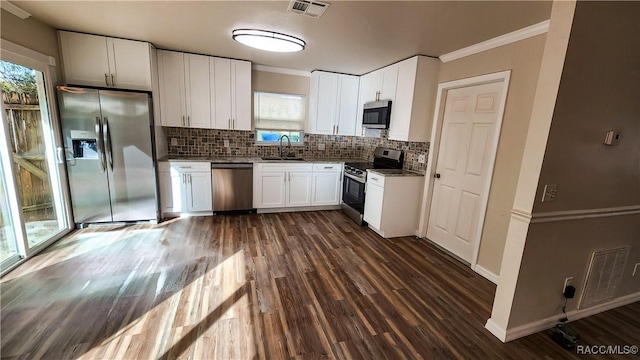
(262, 286)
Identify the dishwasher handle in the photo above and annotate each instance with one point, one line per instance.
(231, 166)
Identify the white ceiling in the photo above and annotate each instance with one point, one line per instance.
(351, 37)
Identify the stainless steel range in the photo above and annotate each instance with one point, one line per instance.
(355, 179)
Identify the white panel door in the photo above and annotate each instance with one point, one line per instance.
(222, 93)
(327, 98)
(199, 193)
(241, 95)
(270, 190)
(373, 205)
(198, 95)
(299, 188)
(85, 59)
(326, 188)
(348, 88)
(172, 88)
(467, 148)
(130, 64)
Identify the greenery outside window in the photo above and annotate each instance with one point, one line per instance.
(277, 114)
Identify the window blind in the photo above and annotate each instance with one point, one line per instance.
(278, 111)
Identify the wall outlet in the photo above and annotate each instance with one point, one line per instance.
(174, 142)
(226, 143)
(321, 146)
(635, 269)
(568, 281)
(550, 192)
(422, 158)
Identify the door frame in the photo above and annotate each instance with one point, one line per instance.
(436, 132)
(47, 65)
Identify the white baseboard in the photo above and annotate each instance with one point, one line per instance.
(296, 209)
(496, 330)
(548, 323)
(486, 274)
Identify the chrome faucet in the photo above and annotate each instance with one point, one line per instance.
(288, 143)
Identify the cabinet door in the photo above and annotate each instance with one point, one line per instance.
(326, 188)
(199, 191)
(326, 104)
(172, 191)
(129, 64)
(269, 189)
(389, 83)
(241, 95)
(85, 59)
(221, 93)
(299, 188)
(172, 88)
(401, 109)
(166, 193)
(373, 205)
(348, 87)
(197, 91)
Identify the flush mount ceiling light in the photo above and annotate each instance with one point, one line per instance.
(268, 40)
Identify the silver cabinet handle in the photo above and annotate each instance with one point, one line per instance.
(337, 129)
(184, 123)
(229, 123)
(188, 120)
(328, 167)
(233, 122)
(184, 178)
(185, 167)
(113, 83)
(100, 144)
(106, 79)
(374, 178)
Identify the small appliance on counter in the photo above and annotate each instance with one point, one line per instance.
(355, 179)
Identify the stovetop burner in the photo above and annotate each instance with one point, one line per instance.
(360, 165)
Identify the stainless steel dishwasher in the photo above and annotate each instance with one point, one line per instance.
(232, 187)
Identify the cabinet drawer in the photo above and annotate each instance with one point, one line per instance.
(327, 167)
(376, 179)
(284, 167)
(190, 166)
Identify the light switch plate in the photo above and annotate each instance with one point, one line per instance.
(549, 193)
(321, 146)
(226, 143)
(422, 158)
(174, 142)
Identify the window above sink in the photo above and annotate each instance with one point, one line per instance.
(278, 114)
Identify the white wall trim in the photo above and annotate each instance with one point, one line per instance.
(496, 330)
(27, 53)
(280, 70)
(548, 323)
(443, 88)
(584, 214)
(14, 9)
(486, 274)
(524, 33)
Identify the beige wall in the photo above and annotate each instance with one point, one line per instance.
(281, 83)
(599, 91)
(32, 34)
(523, 58)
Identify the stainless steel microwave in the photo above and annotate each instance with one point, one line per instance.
(377, 114)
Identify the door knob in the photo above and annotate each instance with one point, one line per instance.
(437, 176)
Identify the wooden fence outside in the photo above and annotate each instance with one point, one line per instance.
(29, 155)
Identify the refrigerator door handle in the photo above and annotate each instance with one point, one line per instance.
(100, 144)
(107, 143)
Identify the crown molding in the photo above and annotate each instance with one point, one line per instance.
(15, 10)
(524, 33)
(280, 70)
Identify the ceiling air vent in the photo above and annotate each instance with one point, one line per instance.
(310, 8)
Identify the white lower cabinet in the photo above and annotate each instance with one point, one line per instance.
(392, 204)
(185, 187)
(286, 185)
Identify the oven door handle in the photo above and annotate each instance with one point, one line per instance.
(354, 178)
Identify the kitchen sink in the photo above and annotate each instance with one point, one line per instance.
(282, 158)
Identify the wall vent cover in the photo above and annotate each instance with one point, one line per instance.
(310, 8)
(604, 276)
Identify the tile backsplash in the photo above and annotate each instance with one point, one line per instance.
(210, 142)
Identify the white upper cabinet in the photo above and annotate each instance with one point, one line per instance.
(231, 95)
(106, 62)
(184, 89)
(412, 111)
(333, 103)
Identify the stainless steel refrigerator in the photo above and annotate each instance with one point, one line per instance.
(109, 154)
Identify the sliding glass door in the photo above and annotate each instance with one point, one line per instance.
(33, 192)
